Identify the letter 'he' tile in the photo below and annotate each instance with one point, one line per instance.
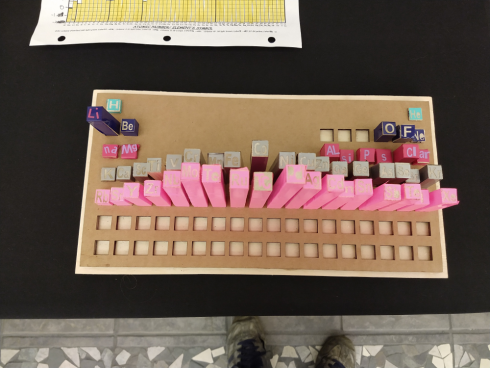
(130, 151)
(103, 197)
(414, 113)
(109, 150)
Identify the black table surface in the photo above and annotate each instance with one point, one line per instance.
(437, 48)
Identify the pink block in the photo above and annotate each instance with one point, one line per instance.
(383, 196)
(154, 192)
(410, 194)
(261, 189)
(383, 155)
(366, 154)
(190, 175)
(239, 187)
(134, 193)
(289, 183)
(173, 187)
(363, 190)
(331, 150)
(424, 156)
(332, 187)
(343, 198)
(406, 153)
(421, 203)
(103, 197)
(347, 155)
(213, 182)
(109, 150)
(441, 198)
(130, 151)
(313, 184)
(117, 197)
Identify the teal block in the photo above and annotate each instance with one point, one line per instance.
(414, 113)
(114, 105)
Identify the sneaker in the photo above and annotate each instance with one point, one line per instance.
(245, 343)
(336, 352)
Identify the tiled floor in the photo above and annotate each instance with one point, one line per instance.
(432, 341)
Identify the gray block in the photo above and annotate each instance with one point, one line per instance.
(322, 164)
(173, 162)
(402, 173)
(216, 159)
(308, 159)
(193, 155)
(358, 169)
(423, 322)
(232, 160)
(57, 326)
(382, 172)
(471, 321)
(168, 326)
(414, 177)
(124, 174)
(429, 175)
(140, 171)
(260, 149)
(339, 168)
(155, 167)
(108, 174)
(282, 159)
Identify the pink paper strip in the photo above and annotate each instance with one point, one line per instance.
(173, 187)
(154, 192)
(213, 182)
(332, 187)
(313, 184)
(191, 180)
(287, 185)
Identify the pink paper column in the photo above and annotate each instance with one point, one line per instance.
(441, 198)
(261, 189)
(410, 194)
(239, 186)
(383, 196)
(173, 187)
(287, 185)
(154, 192)
(421, 203)
(363, 190)
(134, 193)
(332, 187)
(343, 198)
(313, 184)
(103, 197)
(117, 197)
(191, 180)
(214, 184)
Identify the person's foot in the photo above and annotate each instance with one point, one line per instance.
(336, 352)
(245, 343)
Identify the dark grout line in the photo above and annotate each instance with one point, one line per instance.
(451, 338)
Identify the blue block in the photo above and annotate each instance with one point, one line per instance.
(129, 127)
(404, 133)
(385, 131)
(101, 120)
(414, 113)
(418, 136)
(114, 105)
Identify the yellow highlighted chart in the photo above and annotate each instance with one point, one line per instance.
(206, 11)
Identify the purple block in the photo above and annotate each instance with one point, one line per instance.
(101, 120)
(129, 127)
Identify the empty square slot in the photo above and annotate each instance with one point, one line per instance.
(236, 248)
(254, 224)
(102, 247)
(423, 228)
(329, 227)
(273, 249)
(237, 224)
(104, 222)
(349, 251)
(347, 226)
(368, 252)
(218, 224)
(200, 223)
(424, 253)
(310, 226)
(345, 135)
(198, 248)
(141, 247)
(386, 228)
(362, 135)
(326, 135)
(143, 222)
(311, 250)
(329, 250)
(179, 248)
(123, 223)
(404, 228)
(366, 227)
(162, 223)
(255, 249)
(387, 252)
(273, 224)
(292, 250)
(217, 248)
(406, 252)
(121, 248)
(292, 225)
(182, 223)
(160, 248)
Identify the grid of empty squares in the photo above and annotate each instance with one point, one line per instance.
(345, 135)
(328, 250)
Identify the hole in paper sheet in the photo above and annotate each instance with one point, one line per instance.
(292, 250)
(368, 252)
(326, 135)
(271, 39)
(141, 247)
(217, 248)
(386, 228)
(347, 227)
(101, 247)
(143, 222)
(366, 227)
(162, 223)
(160, 248)
(218, 224)
(424, 253)
(387, 252)
(255, 249)
(273, 249)
(167, 38)
(344, 135)
(329, 227)
(349, 251)
(362, 135)
(310, 226)
(329, 250)
(182, 223)
(180, 248)
(198, 248)
(406, 252)
(423, 228)
(404, 228)
(237, 224)
(123, 223)
(273, 224)
(236, 248)
(121, 248)
(292, 225)
(254, 224)
(104, 222)
(61, 38)
(311, 250)
(200, 223)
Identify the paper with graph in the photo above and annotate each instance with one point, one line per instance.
(265, 23)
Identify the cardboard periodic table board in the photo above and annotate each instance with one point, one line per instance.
(291, 242)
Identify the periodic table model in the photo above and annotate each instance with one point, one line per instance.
(220, 239)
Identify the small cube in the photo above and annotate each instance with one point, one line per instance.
(359, 170)
(404, 133)
(414, 177)
(418, 136)
(366, 154)
(173, 162)
(140, 171)
(193, 155)
(114, 105)
(129, 151)
(385, 131)
(381, 173)
(307, 159)
(216, 159)
(322, 164)
(383, 155)
(109, 150)
(103, 197)
(155, 168)
(429, 175)
(339, 168)
(331, 150)
(414, 113)
(402, 173)
(124, 174)
(424, 156)
(406, 153)
(108, 174)
(130, 127)
(347, 155)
